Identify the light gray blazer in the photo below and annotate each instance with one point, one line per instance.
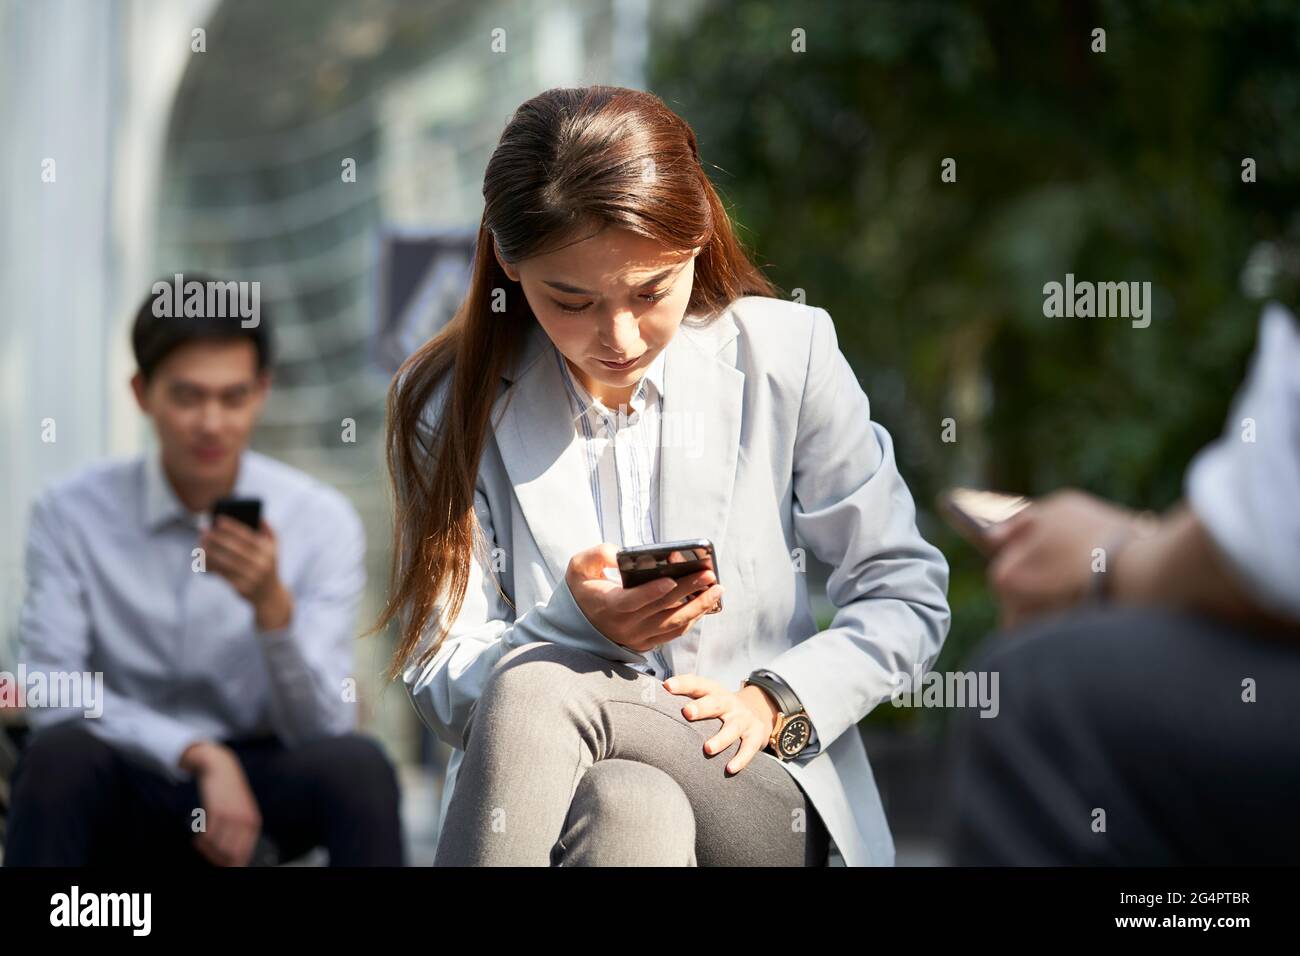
(775, 451)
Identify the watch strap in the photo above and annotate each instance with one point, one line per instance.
(786, 701)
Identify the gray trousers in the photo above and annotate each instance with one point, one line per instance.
(574, 760)
(1127, 737)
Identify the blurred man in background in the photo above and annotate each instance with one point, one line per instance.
(1157, 726)
(228, 704)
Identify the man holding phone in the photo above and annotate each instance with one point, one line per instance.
(226, 651)
(1150, 684)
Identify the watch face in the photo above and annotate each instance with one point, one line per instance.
(794, 736)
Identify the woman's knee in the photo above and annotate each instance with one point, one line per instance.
(633, 808)
(636, 795)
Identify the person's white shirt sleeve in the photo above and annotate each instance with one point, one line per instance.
(1245, 486)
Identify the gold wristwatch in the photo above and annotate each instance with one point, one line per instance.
(793, 729)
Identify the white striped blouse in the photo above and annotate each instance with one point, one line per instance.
(622, 450)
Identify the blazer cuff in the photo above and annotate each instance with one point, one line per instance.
(571, 628)
(803, 675)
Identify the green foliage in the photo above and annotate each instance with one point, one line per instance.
(1115, 166)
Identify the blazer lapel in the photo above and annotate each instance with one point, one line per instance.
(699, 444)
(699, 434)
(547, 468)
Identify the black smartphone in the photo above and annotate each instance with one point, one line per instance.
(972, 511)
(669, 559)
(247, 510)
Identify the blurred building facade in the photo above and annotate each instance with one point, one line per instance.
(271, 142)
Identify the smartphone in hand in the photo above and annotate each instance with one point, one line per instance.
(972, 511)
(247, 510)
(669, 559)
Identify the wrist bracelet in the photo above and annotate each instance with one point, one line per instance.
(1142, 526)
(1100, 590)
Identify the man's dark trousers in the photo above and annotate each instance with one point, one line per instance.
(1129, 736)
(80, 801)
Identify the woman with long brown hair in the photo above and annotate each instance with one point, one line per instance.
(620, 373)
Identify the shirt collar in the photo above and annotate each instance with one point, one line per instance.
(162, 506)
(654, 375)
(649, 387)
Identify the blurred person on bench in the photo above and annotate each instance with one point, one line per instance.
(1148, 711)
(225, 713)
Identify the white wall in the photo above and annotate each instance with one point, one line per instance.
(86, 83)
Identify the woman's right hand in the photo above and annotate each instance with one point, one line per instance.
(643, 617)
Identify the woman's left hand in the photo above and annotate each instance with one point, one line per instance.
(747, 714)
